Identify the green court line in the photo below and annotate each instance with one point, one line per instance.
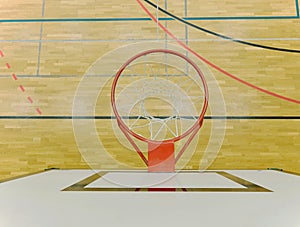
(133, 19)
(297, 8)
(38, 20)
(241, 18)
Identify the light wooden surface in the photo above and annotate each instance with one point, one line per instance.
(68, 49)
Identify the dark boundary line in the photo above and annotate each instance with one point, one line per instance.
(182, 20)
(23, 175)
(161, 117)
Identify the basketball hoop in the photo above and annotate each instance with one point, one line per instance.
(159, 104)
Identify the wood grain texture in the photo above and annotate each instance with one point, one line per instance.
(68, 49)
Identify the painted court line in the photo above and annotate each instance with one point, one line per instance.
(144, 40)
(14, 76)
(297, 8)
(133, 19)
(21, 87)
(219, 35)
(136, 19)
(30, 99)
(40, 43)
(212, 64)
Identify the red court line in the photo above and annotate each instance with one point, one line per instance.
(212, 64)
(22, 88)
(14, 76)
(30, 99)
(39, 111)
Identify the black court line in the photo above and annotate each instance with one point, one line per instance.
(160, 117)
(184, 21)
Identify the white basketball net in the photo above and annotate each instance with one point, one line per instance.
(159, 96)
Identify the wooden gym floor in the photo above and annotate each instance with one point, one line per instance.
(47, 46)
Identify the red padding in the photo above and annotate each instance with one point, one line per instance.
(161, 157)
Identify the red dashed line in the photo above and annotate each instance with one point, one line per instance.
(39, 111)
(22, 88)
(14, 76)
(29, 99)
